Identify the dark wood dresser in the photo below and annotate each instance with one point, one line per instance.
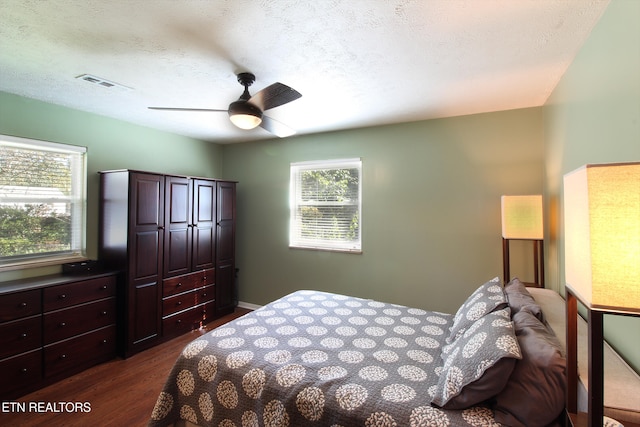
(52, 327)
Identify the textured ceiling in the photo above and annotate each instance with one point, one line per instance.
(356, 62)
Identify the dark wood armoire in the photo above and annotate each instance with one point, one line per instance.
(173, 238)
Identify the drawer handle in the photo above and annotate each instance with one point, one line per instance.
(23, 304)
(24, 370)
(179, 303)
(63, 356)
(62, 296)
(104, 313)
(179, 284)
(63, 324)
(24, 335)
(104, 287)
(204, 295)
(179, 321)
(104, 341)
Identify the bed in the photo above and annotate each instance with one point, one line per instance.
(317, 358)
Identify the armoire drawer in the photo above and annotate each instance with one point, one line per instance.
(187, 282)
(206, 294)
(20, 336)
(62, 324)
(76, 354)
(180, 284)
(20, 304)
(176, 303)
(208, 277)
(62, 296)
(188, 320)
(184, 301)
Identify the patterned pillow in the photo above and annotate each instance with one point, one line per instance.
(478, 364)
(487, 298)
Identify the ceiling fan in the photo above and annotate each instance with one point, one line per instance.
(247, 111)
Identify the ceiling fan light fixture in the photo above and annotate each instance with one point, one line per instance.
(245, 115)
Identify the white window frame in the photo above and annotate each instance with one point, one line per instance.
(295, 201)
(77, 202)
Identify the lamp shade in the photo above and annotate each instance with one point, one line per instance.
(522, 217)
(244, 115)
(602, 235)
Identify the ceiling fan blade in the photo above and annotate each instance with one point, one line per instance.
(185, 109)
(273, 96)
(275, 127)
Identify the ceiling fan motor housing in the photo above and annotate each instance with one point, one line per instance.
(244, 107)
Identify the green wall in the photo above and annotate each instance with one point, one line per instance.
(430, 215)
(111, 144)
(431, 197)
(593, 116)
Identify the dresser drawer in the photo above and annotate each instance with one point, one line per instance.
(20, 336)
(19, 304)
(186, 282)
(19, 372)
(76, 354)
(62, 324)
(188, 320)
(62, 296)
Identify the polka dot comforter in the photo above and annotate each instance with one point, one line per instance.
(315, 358)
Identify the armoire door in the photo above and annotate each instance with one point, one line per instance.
(146, 223)
(225, 247)
(204, 224)
(178, 226)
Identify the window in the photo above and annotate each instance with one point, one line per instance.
(326, 205)
(42, 202)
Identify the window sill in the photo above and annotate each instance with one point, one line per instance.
(324, 249)
(45, 262)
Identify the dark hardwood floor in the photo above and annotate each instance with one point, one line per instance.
(117, 393)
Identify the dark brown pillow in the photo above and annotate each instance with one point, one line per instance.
(518, 297)
(535, 392)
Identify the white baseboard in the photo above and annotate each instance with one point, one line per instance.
(248, 305)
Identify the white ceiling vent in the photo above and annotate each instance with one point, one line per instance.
(102, 82)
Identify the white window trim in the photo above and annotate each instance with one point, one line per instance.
(333, 246)
(80, 206)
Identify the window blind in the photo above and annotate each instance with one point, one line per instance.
(42, 200)
(326, 205)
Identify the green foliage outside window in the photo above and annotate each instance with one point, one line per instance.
(329, 204)
(41, 221)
